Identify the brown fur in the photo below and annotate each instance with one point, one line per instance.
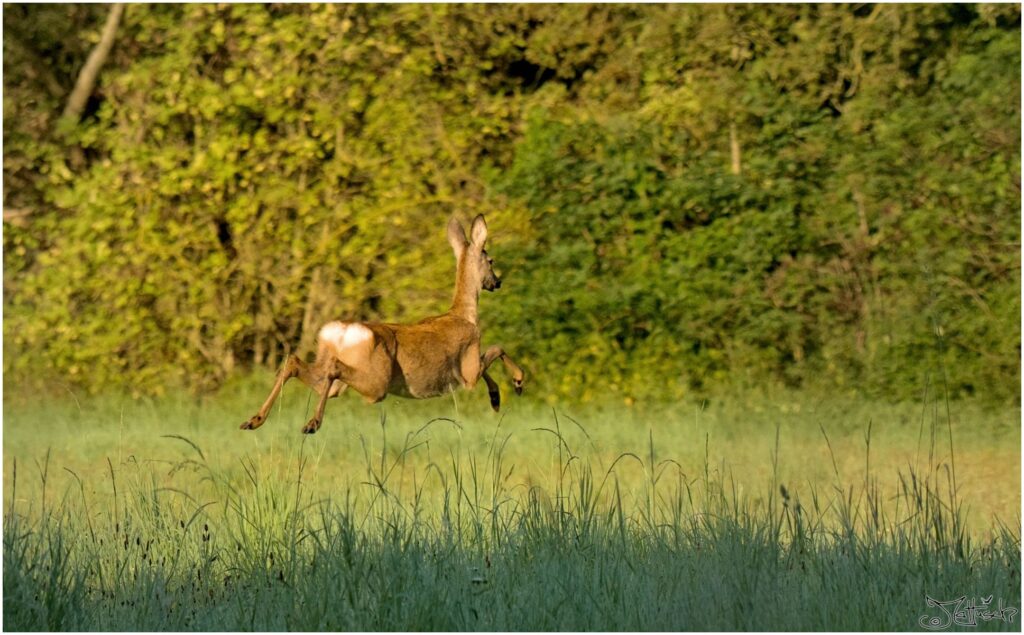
(420, 360)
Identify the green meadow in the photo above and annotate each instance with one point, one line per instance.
(769, 512)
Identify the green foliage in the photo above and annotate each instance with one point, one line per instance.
(681, 197)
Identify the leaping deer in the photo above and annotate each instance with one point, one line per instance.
(420, 360)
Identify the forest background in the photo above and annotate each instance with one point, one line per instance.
(682, 199)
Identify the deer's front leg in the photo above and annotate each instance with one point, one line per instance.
(518, 376)
(492, 391)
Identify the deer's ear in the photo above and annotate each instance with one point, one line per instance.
(456, 237)
(479, 231)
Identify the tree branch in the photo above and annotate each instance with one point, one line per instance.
(87, 78)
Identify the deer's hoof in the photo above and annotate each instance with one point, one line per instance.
(495, 400)
(517, 384)
(252, 424)
(311, 427)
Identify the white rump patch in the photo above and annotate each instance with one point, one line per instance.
(348, 340)
(333, 332)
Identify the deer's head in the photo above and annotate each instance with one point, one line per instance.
(475, 267)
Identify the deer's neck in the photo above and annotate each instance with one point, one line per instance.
(467, 297)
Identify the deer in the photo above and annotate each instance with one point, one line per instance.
(428, 358)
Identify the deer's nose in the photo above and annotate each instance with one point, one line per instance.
(497, 282)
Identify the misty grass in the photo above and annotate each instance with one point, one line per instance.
(434, 529)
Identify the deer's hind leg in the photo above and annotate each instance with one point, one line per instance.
(327, 386)
(293, 367)
(344, 350)
(311, 375)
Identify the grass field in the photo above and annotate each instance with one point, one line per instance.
(775, 511)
